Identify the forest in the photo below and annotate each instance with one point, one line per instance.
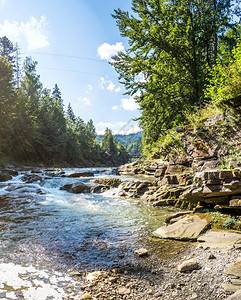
(183, 59)
(36, 129)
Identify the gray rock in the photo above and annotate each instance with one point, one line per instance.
(188, 265)
(141, 252)
(188, 228)
(81, 174)
(80, 188)
(219, 239)
(124, 291)
(76, 188)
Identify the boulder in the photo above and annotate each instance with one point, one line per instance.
(188, 228)
(188, 265)
(66, 187)
(31, 178)
(219, 239)
(76, 188)
(81, 174)
(4, 176)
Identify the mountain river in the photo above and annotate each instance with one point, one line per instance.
(46, 232)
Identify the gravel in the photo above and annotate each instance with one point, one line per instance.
(155, 277)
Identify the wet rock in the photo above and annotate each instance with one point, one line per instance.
(81, 174)
(188, 265)
(188, 228)
(142, 252)
(31, 178)
(9, 172)
(76, 188)
(66, 187)
(4, 176)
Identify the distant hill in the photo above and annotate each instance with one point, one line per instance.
(130, 141)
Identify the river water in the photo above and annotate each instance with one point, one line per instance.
(45, 232)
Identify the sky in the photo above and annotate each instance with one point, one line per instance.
(73, 41)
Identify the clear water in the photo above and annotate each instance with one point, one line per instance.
(46, 229)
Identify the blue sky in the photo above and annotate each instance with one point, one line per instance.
(73, 40)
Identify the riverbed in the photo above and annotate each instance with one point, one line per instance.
(47, 233)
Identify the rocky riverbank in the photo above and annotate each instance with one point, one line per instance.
(154, 277)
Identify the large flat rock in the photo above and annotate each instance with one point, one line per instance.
(188, 228)
(235, 296)
(219, 239)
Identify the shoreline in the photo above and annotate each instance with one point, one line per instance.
(154, 277)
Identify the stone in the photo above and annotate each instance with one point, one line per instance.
(160, 172)
(235, 296)
(81, 174)
(93, 275)
(86, 296)
(211, 256)
(176, 215)
(219, 239)
(5, 177)
(188, 228)
(188, 265)
(235, 270)
(66, 187)
(77, 188)
(231, 287)
(235, 202)
(141, 252)
(124, 291)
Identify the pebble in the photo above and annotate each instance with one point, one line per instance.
(86, 296)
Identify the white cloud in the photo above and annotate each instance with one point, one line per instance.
(116, 107)
(106, 51)
(110, 86)
(85, 101)
(90, 87)
(129, 104)
(105, 124)
(31, 32)
(2, 2)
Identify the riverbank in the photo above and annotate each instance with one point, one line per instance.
(155, 277)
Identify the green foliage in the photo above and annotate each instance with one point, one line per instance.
(173, 46)
(131, 141)
(117, 153)
(225, 81)
(220, 220)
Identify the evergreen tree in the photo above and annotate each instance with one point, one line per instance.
(70, 113)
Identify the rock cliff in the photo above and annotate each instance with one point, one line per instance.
(201, 166)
